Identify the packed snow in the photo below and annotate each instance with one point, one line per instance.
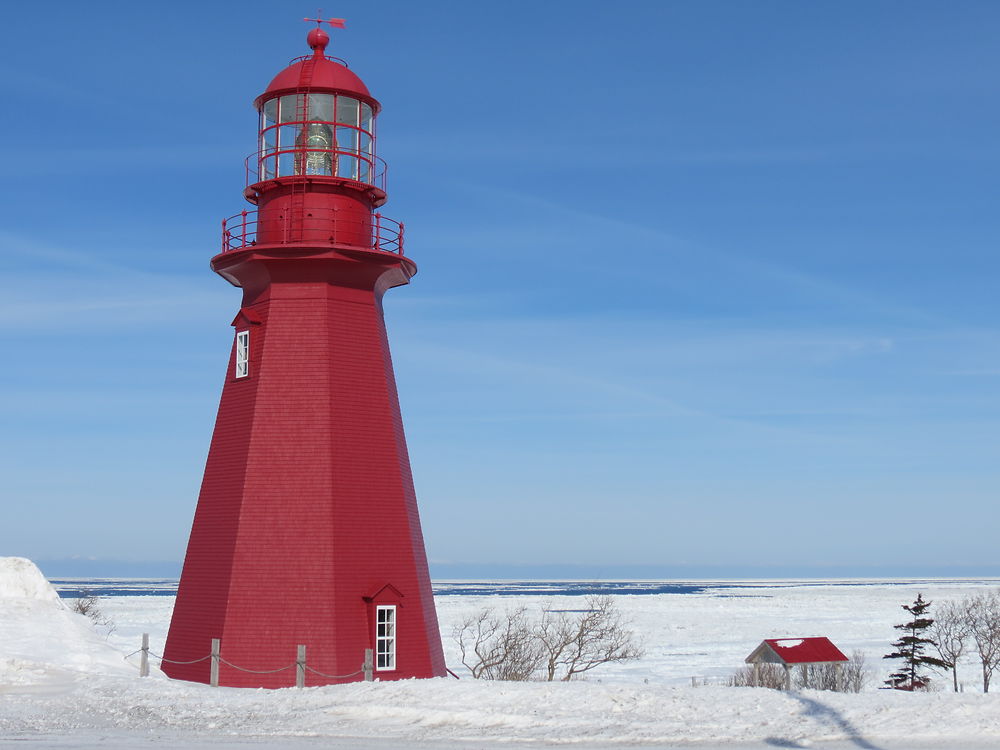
(42, 643)
(63, 684)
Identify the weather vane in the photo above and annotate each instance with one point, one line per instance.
(337, 23)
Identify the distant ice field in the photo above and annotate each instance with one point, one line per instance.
(691, 630)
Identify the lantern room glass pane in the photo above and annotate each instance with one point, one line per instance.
(347, 110)
(269, 140)
(366, 117)
(288, 109)
(269, 167)
(366, 144)
(347, 166)
(347, 140)
(270, 112)
(287, 136)
(321, 107)
(365, 174)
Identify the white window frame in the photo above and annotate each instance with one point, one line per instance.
(242, 354)
(386, 629)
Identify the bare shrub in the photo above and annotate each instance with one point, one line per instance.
(759, 675)
(856, 673)
(498, 646)
(844, 677)
(574, 645)
(982, 613)
(90, 606)
(556, 645)
(951, 632)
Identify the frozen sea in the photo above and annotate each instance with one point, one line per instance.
(697, 630)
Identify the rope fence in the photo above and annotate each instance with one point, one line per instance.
(299, 665)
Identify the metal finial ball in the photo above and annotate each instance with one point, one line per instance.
(318, 39)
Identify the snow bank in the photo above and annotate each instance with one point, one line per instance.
(21, 579)
(41, 641)
(450, 713)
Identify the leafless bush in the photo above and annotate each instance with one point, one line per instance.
(759, 675)
(982, 614)
(951, 632)
(89, 606)
(844, 677)
(498, 646)
(563, 645)
(574, 645)
(856, 673)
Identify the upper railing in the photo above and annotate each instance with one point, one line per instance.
(320, 162)
(331, 58)
(320, 226)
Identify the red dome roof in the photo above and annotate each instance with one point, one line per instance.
(327, 75)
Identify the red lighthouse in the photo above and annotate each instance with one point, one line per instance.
(307, 531)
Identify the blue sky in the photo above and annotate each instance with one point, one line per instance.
(703, 285)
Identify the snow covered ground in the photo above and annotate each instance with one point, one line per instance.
(64, 686)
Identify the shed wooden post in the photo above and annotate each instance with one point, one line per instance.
(788, 677)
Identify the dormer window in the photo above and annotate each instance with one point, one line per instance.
(242, 354)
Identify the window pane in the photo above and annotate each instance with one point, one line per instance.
(366, 117)
(289, 111)
(347, 166)
(347, 140)
(321, 107)
(269, 167)
(285, 164)
(287, 136)
(270, 112)
(270, 140)
(347, 110)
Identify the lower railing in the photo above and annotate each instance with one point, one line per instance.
(380, 233)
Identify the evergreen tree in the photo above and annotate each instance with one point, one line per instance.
(910, 649)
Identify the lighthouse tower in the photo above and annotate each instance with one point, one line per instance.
(306, 531)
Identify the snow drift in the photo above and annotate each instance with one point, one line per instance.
(41, 641)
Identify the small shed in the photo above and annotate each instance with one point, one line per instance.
(791, 652)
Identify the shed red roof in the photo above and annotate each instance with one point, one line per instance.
(801, 650)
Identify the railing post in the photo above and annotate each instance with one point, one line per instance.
(244, 235)
(378, 231)
(300, 667)
(225, 238)
(400, 244)
(144, 659)
(369, 665)
(214, 678)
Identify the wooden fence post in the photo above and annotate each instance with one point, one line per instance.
(369, 665)
(300, 667)
(144, 659)
(214, 679)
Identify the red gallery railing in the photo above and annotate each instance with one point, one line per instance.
(382, 233)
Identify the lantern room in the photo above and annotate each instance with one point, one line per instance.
(317, 118)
